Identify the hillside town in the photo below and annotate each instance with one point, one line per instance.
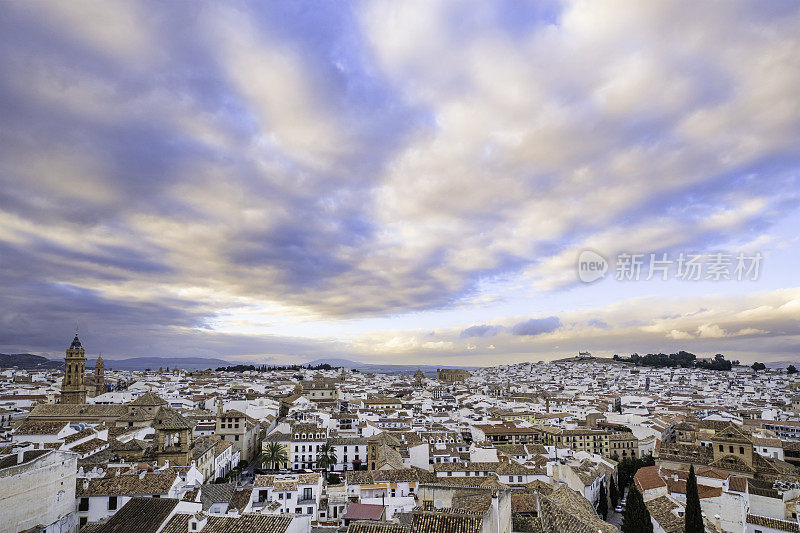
(540, 447)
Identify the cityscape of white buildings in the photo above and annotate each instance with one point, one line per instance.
(524, 447)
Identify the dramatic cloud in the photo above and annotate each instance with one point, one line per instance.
(482, 330)
(301, 178)
(536, 326)
(764, 325)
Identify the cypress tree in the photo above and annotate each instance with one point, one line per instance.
(613, 493)
(636, 518)
(694, 516)
(602, 505)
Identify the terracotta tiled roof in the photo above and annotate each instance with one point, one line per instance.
(149, 399)
(774, 523)
(647, 478)
(129, 484)
(142, 515)
(661, 509)
(246, 523)
(737, 484)
(31, 427)
(363, 511)
(567, 511)
(376, 527)
(445, 522)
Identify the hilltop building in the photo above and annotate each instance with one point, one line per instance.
(452, 375)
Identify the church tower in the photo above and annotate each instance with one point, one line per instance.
(99, 376)
(73, 387)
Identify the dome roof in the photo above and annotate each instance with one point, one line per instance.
(76, 343)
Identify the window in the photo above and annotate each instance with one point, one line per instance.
(309, 510)
(236, 437)
(298, 510)
(84, 504)
(741, 450)
(307, 493)
(280, 495)
(112, 503)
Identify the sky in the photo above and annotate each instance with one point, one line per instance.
(399, 182)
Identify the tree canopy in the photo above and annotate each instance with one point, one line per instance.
(636, 518)
(694, 516)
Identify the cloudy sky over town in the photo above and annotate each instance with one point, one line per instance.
(399, 182)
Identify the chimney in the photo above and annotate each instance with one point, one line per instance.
(142, 473)
(86, 484)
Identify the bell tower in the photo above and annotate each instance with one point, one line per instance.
(99, 376)
(73, 387)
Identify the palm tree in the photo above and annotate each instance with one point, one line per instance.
(326, 458)
(275, 454)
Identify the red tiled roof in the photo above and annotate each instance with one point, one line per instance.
(737, 484)
(363, 511)
(647, 478)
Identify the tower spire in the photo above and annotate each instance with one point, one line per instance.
(73, 386)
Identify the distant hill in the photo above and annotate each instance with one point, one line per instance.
(584, 359)
(779, 365)
(33, 362)
(28, 361)
(154, 363)
(428, 370)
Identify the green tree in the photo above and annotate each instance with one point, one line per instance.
(791, 369)
(694, 517)
(602, 505)
(326, 457)
(275, 454)
(758, 366)
(636, 518)
(613, 493)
